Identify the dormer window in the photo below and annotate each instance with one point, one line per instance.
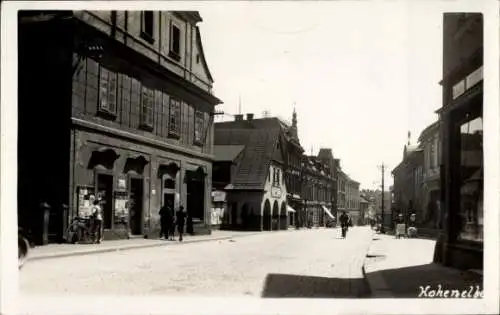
(175, 42)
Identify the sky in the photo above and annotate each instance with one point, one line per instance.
(360, 74)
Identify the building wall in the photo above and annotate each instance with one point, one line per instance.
(43, 113)
(431, 179)
(86, 142)
(107, 113)
(276, 194)
(128, 31)
(462, 101)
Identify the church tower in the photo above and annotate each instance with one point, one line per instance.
(293, 129)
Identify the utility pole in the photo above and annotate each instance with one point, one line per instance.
(382, 229)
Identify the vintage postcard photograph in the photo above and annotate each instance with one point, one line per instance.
(250, 157)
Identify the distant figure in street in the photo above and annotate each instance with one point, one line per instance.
(166, 221)
(344, 223)
(97, 222)
(180, 218)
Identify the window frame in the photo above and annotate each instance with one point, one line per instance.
(174, 132)
(149, 37)
(106, 92)
(171, 51)
(147, 117)
(199, 122)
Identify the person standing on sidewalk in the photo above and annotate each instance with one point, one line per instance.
(180, 218)
(97, 222)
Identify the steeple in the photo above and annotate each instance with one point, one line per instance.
(293, 129)
(409, 137)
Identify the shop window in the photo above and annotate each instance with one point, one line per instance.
(174, 126)
(199, 123)
(107, 91)
(471, 180)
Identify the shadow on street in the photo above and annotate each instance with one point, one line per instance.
(297, 286)
(406, 282)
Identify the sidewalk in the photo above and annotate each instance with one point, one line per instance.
(65, 250)
(403, 268)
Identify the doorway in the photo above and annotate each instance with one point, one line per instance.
(105, 191)
(195, 191)
(136, 198)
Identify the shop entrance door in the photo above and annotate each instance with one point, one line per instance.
(195, 195)
(136, 198)
(105, 191)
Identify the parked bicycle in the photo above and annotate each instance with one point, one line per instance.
(79, 231)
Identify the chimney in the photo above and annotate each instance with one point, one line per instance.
(238, 117)
(249, 116)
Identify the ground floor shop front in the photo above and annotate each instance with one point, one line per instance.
(460, 243)
(256, 210)
(134, 180)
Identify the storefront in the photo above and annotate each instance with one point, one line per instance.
(219, 217)
(133, 182)
(461, 242)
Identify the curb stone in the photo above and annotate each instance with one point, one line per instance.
(376, 282)
(130, 247)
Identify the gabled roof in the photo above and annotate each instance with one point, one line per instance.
(202, 54)
(434, 127)
(227, 153)
(259, 144)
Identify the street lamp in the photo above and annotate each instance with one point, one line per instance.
(382, 167)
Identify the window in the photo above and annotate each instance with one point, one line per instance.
(147, 18)
(197, 58)
(107, 91)
(175, 41)
(198, 127)
(147, 107)
(471, 185)
(174, 126)
(276, 177)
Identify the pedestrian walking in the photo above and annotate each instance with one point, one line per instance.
(344, 223)
(97, 222)
(180, 219)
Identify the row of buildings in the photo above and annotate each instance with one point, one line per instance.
(441, 177)
(262, 179)
(127, 114)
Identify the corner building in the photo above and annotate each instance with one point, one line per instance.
(460, 242)
(128, 105)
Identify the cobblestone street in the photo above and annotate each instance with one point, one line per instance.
(304, 263)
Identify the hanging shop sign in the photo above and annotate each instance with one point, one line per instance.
(218, 196)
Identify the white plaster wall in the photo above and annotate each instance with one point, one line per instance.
(268, 187)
